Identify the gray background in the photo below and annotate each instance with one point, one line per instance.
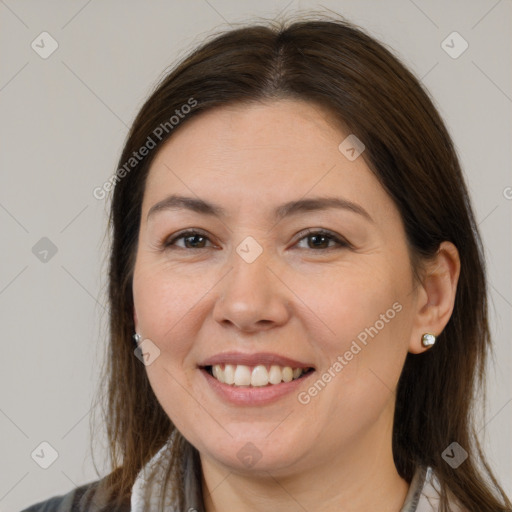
(63, 123)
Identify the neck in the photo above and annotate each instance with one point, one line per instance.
(356, 480)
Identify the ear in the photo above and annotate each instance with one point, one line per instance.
(436, 295)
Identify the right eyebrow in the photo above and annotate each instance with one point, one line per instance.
(176, 202)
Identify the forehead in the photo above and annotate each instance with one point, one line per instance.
(271, 123)
(261, 153)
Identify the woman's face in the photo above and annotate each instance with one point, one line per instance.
(238, 274)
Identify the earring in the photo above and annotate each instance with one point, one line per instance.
(137, 339)
(428, 339)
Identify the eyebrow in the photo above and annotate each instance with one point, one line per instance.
(177, 202)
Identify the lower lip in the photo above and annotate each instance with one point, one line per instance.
(246, 395)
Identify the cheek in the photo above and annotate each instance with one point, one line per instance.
(367, 314)
(166, 305)
(354, 303)
(165, 302)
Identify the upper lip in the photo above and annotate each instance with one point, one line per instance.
(264, 358)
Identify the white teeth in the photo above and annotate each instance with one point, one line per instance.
(218, 373)
(229, 374)
(275, 375)
(257, 376)
(287, 374)
(242, 375)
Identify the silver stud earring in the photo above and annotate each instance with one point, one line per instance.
(137, 338)
(428, 339)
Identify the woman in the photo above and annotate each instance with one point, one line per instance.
(296, 258)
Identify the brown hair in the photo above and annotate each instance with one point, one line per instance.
(337, 65)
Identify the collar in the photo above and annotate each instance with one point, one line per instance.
(423, 494)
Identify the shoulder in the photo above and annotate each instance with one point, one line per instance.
(86, 498)
(64, 502)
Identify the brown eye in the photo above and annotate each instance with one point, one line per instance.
(191, 240)
(322, 239)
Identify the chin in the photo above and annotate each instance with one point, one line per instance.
(255, 451)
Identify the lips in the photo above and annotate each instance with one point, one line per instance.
(263, 358)
(254, 370)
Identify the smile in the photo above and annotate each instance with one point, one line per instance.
(255, 379)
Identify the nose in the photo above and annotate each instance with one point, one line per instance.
(251, 296)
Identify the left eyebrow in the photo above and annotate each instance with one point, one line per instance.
(320, 203)
(176, 202)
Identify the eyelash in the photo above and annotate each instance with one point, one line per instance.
(342, 244)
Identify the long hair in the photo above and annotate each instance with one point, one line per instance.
(332, 63)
